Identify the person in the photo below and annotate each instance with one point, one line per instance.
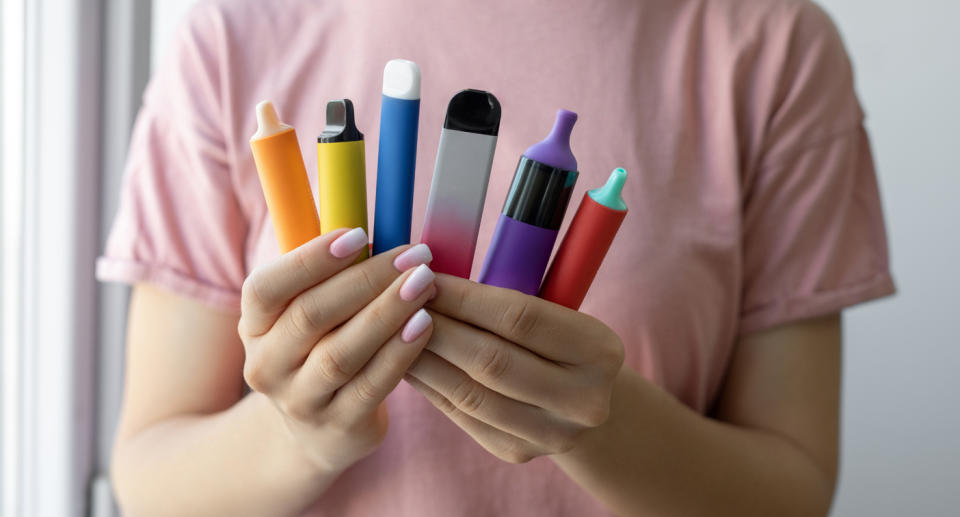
(702, 374)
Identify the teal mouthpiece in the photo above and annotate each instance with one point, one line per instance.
(609, 194)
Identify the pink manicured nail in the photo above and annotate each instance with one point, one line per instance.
(349, 243)
(419, 254)
(415, 283)
(415, 326)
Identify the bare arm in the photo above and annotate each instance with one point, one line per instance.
(527, 378)
(187, 443)
(771, 451)
(321, 340)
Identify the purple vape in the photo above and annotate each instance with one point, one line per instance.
(532, 214)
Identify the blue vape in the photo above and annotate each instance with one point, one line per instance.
(397, 158)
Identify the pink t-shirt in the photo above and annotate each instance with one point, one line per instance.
(752, 194)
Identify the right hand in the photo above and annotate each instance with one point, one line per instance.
(327, 340)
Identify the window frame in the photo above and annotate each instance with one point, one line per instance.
(12, 89)
(49, 315)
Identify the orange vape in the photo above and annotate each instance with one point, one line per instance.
(283, 177)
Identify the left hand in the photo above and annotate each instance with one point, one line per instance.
(523, 376)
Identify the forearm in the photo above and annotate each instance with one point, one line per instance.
(237, 462)
(656, 456)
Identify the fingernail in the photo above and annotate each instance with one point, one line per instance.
(416, 283)
(415, 326)
(419, 254)
(349, 243)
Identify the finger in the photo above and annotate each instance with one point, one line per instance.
(471, 398)
(338, 357)
(314, 313)
(505, 446)
(531, 322)
(503, 366)
(270, 287)
(371, 385)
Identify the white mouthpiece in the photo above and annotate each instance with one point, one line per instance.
(401, 79)
(268, 122)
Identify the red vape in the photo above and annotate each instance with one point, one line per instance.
(586, 243)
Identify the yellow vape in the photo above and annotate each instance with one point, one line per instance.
(343, 174)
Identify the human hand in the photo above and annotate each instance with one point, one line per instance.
(327, 340)
(523, 376)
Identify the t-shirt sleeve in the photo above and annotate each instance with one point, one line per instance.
(179, 224)
(813, 232)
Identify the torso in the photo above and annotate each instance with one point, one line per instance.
(654, 83)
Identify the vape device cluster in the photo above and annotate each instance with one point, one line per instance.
(527, 228)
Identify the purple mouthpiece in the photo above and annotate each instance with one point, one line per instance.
(554, 150)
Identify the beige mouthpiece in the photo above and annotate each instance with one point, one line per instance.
(268, 122)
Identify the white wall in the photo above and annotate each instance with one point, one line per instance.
(901, 437)
(164, 21)
(902, 386)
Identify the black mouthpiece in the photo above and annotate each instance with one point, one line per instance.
(473, 111)
(341, 126)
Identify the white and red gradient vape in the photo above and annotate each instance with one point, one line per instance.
(460, 177)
